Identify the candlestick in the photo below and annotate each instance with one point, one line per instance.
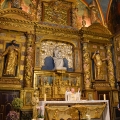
(44, 97)
(104, 96)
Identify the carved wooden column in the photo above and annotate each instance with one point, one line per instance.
(29, 60)
(110, 67)
(86, 65)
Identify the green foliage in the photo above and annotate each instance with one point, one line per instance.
(40, 116)
(17, 103)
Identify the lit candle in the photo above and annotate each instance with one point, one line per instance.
(104, 96)
(44, 97)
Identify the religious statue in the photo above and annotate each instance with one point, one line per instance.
(98, 63)
(94, 12)
(58, 60)
(12, 57)
(35, 103)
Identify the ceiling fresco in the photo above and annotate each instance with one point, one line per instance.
(103, 5)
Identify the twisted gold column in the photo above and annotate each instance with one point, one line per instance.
(29, 60)
(86, 65)
(111, 77)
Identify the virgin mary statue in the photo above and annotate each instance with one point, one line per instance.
(58, 60)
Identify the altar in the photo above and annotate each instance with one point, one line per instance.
(76, 110)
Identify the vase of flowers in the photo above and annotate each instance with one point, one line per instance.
(17, 104)
(40, 115)
(12, 115)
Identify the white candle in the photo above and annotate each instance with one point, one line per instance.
(104, 96)
(44, 97)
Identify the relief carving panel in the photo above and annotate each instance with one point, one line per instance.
(57, 12)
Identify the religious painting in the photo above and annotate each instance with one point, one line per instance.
(90, 96)
(10, 4)
(79, 12)
(28, 98)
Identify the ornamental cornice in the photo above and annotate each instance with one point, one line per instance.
(5, 19)
(102, 85)
(57, 29)
(91, 33)
(94, 38)
(25, 25)
(16, 24)
(15, 11)
(64, 32)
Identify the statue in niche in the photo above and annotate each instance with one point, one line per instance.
(58, 60)
(98, 64)
(11, 59)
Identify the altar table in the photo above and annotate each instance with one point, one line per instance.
(99, 107)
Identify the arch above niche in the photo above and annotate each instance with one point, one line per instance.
(15, 13)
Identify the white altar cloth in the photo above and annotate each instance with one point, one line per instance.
(106, 114)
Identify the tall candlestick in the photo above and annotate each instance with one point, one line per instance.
(44, 97)
(104, 96)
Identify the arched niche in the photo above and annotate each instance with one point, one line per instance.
(46, 48)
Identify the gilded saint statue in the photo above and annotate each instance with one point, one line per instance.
(98, 64)
(11, 59)
(35, 103)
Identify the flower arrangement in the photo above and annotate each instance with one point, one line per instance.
(17, 103)
(40, 112)
(12, 115)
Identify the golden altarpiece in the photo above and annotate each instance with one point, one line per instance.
(27, 43)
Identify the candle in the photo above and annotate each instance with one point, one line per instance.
(44, 97)
(104, 96)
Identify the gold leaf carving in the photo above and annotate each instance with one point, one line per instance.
(56, 12)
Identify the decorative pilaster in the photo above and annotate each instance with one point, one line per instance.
(86, 65)
(77, 60)
(111, 77)
(29, 61)
(74, 15)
